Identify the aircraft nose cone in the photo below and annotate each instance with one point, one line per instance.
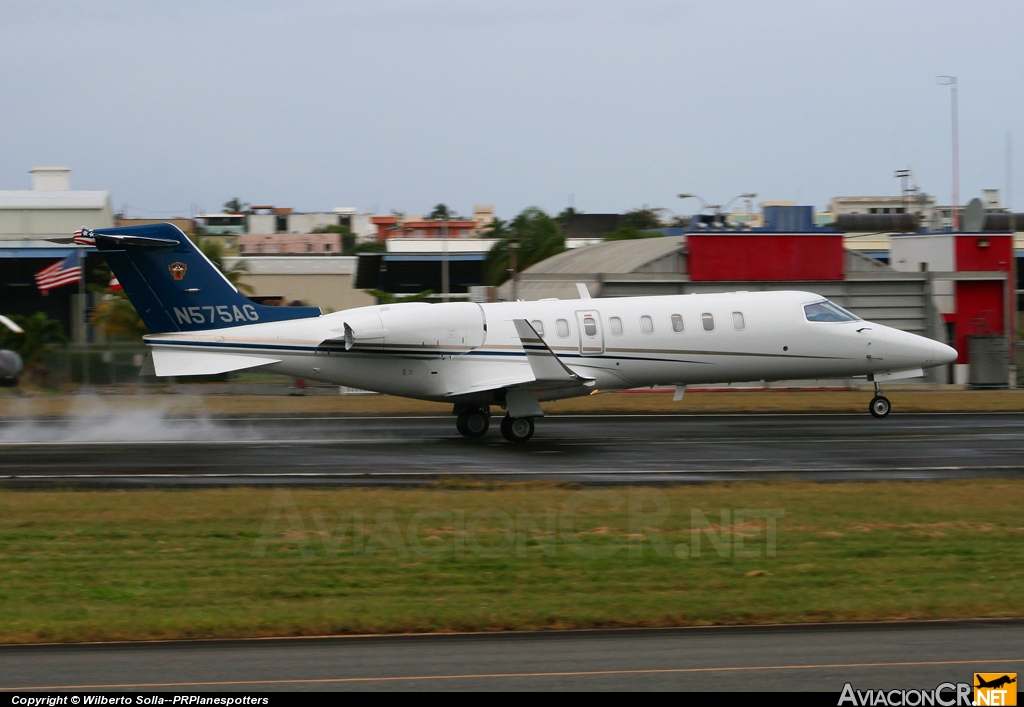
(944, 354)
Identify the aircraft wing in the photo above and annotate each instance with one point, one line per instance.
(547, 367)
(496, 384)
(548, 371)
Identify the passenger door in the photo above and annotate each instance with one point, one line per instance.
(591, 334)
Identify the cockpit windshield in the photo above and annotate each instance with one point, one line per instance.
(826, 311)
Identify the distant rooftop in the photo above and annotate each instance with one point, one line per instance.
(33, 199)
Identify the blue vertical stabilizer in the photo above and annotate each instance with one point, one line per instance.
(174, 286)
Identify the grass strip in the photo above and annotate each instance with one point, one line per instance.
(148, 564)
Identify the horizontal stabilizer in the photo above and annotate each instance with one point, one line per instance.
(171, 362)
(138, 241)
(547, 367)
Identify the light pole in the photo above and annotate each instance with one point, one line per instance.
(704, 206)
(444, 262)
(716, 208)
(749, 196)
(951, 82)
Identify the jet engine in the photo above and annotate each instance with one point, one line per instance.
(452, 327)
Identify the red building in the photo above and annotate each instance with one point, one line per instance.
(973, 283)
(392, 227)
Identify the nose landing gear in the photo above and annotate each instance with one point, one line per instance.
(880, 405)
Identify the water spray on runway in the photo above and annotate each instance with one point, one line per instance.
(91, 420)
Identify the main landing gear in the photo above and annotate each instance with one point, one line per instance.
(474, 422)
(880, 406)
(516, 429)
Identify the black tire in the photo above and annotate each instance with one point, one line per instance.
(517, 429)
(880, 406)
(472, 423)
(476, 424)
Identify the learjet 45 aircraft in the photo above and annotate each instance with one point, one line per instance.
(513, 355)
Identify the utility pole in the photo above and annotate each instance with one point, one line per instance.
(906, 191)
(951, 82)
(513, 247)
(445, 297)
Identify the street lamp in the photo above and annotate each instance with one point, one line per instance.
(748, 196)
(704, 206)
(951, 82)
(717, 209)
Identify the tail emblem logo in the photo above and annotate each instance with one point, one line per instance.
(178, 270)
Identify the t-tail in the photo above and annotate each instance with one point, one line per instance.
(173, 285)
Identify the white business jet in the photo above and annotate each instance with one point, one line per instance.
(512, 355)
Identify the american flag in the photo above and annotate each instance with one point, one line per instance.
(63, 272)
(84, 236)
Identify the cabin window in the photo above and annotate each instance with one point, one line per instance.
(646, 325)
(538, 326)
(708, 321)
(589, 326)
(615, 326)
(826, 311)
(562, 328)
(677, 323)
(737, 321)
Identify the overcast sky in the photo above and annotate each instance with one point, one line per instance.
(401, 104)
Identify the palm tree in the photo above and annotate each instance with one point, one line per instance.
(38, 331)
(117, 317)
(213, 249)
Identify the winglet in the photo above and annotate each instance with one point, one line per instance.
(547, 367)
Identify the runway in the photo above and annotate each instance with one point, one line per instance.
(585, 449)
(816, 657)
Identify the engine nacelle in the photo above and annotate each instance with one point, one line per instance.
(453, 327)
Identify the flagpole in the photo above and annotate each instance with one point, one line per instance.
(83, 321)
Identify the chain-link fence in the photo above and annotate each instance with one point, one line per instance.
(119, 367)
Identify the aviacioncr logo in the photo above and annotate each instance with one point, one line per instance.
(178, 270)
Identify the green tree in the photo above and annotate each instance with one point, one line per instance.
(118, 318)
(537, 235)
(370, 248)
(628, 233)
(498, 228)
(39, 332)
(641, 219)
(348, 239)
(115, 314)
(566, 215)
(442, 213)
(213, 249)
(236, 206)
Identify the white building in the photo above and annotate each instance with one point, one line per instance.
(322, 282)
(272, 219)
(51, 209)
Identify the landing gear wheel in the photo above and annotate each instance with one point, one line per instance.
(517, 429)
(472, 423)
(880, 406)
